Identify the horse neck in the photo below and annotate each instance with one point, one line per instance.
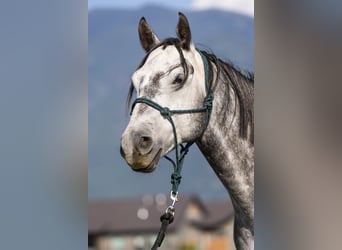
(230, 156)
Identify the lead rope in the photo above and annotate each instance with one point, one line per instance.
(168, 217)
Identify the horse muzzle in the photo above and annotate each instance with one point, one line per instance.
(140, 151)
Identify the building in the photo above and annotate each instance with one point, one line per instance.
(133, 224)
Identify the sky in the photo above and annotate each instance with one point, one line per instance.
(245, 7)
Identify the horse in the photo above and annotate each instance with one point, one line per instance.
(173, 74)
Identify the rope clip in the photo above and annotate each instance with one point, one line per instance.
(171, 209)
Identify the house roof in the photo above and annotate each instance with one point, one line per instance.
(124, 216)
(218, 213)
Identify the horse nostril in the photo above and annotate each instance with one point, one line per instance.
(142, 143)
(145, 142)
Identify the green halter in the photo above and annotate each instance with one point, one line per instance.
(176, 177)
(167, 114)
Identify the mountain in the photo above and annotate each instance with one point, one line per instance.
(114, 53)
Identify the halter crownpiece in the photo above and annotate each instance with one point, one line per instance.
(176, 177)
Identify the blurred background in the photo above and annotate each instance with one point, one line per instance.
(114, 51)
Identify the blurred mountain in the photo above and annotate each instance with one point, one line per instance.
(114, 53)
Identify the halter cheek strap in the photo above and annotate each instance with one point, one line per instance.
(176, 177)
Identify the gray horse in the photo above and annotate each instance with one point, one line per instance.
(172, 74)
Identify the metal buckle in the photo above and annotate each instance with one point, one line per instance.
(171, 209)
(174, 197)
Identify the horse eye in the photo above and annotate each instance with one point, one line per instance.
(178, 79)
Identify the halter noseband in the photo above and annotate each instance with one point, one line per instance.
(167, 114)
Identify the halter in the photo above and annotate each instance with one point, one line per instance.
(176, 177)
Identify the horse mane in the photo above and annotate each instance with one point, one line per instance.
(243, 86)
(241, 83)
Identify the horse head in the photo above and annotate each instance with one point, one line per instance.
(171, 75)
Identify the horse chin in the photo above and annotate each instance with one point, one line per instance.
(151, 166)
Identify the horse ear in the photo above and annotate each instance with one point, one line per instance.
(147, 38)
(183, 31)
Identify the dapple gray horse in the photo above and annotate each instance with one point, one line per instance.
(172, 74)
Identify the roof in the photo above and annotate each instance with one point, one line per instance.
(136, 215)
(218, 213)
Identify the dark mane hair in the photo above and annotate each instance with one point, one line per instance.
(241, 83)
(243, 87)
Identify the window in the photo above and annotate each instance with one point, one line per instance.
(139, 243)
(117, 243)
